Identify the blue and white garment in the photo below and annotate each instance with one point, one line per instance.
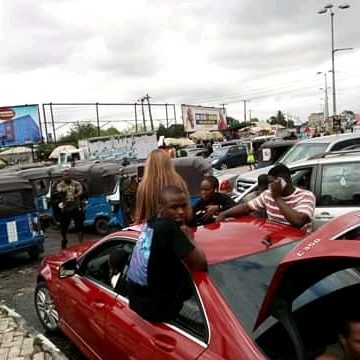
(138, 269)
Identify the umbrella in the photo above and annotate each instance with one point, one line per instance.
(56, 152)
(206, 135)
(178, 142)
(16, 151)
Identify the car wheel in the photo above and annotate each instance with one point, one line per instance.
(223, 166)
(102, 226)
(35, 252)
(45, 308)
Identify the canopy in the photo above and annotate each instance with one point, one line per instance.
(13, 183)
(56, 152)
(16, 151)
(193, 170)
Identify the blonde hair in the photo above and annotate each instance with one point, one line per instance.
(159, 172)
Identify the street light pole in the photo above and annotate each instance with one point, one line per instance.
(333, 50)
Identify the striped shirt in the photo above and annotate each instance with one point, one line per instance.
(300, 200)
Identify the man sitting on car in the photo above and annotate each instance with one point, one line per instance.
(283, 202)
(157, 277)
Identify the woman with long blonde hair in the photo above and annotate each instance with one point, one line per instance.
(159, 172)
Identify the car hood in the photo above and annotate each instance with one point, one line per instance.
(253, 175)
(314, 258)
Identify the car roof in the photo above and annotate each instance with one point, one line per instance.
(238, 237)
(329, 139)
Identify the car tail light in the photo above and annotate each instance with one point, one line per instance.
(225, 186)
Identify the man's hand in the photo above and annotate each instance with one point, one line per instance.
(211, 210)
(220, 217)
(276, 189)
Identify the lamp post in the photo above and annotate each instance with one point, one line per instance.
(326, 107)
(329, 8)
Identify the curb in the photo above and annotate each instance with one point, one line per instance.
(41, 344)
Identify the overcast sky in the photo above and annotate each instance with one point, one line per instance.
(185, 51)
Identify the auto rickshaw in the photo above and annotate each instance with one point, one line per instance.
(20, 228)
(270, 151)
(99, 181)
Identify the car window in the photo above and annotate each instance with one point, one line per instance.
(340, 185)
(302, 178)
(302, 151)
(96, 267)
(191, 318)
(345, 143)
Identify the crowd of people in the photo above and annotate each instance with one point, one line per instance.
(156, 270)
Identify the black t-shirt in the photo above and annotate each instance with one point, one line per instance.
(156, 275)
(224, 201)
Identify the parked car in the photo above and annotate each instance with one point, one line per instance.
(260, 276)
(332, 177)
(305, 149)
(230, 156)
(270, 151)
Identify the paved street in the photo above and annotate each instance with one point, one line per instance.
(17, 283)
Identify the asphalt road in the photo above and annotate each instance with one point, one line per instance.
(17, 283)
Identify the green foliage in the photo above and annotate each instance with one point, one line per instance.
(173, 131)
(231, 122)
(279, 119)
(44, 150)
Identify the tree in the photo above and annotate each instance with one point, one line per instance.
(231, 122)
(278, 119)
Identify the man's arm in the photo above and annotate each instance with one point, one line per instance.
(79, 189)
(295, 218)
(195, 259)
(241, 209)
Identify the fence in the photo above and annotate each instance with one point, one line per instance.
(59, 117)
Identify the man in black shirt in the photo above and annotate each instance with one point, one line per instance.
(157, 277)
(211, 203)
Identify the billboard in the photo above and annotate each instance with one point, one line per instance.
(203, 118)
(19, 125)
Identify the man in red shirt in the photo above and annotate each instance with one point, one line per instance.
(283, 202)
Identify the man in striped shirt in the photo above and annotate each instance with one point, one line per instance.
(283, 202)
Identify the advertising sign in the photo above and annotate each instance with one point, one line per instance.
(19, 125)
(203, 118)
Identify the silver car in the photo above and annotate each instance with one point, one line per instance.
(333, 178)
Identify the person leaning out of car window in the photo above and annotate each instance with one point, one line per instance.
(157, 277)
(348, 345)
(283, 202)
(211, 202)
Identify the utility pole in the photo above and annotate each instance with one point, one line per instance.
(143, 113)
(147, 98)
(245, 101)
(249, 115)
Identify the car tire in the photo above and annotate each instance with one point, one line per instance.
(223, 166)
(35, 252)
(45, 308)
(102, 226)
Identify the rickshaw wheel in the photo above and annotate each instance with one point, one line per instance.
(102, 226)
(45, 308)
(34, 253)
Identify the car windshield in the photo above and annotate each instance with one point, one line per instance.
(19, 202)
(219, 152)
(302, 152)
(243, 281)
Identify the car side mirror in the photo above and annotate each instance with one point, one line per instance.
(68, 269)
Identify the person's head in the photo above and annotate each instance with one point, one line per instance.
(159, 172)
(280, 171)
(209, 186)
(349, 331)
(173, 204)
(263, 182)
(117, 261)
(67, 176)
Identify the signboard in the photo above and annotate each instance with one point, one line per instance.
(203, 118)
(19, 125)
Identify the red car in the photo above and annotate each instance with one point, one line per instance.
(267, 294)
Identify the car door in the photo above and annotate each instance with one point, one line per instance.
(338, 191)
(88, 297)
(130, 336)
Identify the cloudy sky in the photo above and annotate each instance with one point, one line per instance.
(186, 51)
